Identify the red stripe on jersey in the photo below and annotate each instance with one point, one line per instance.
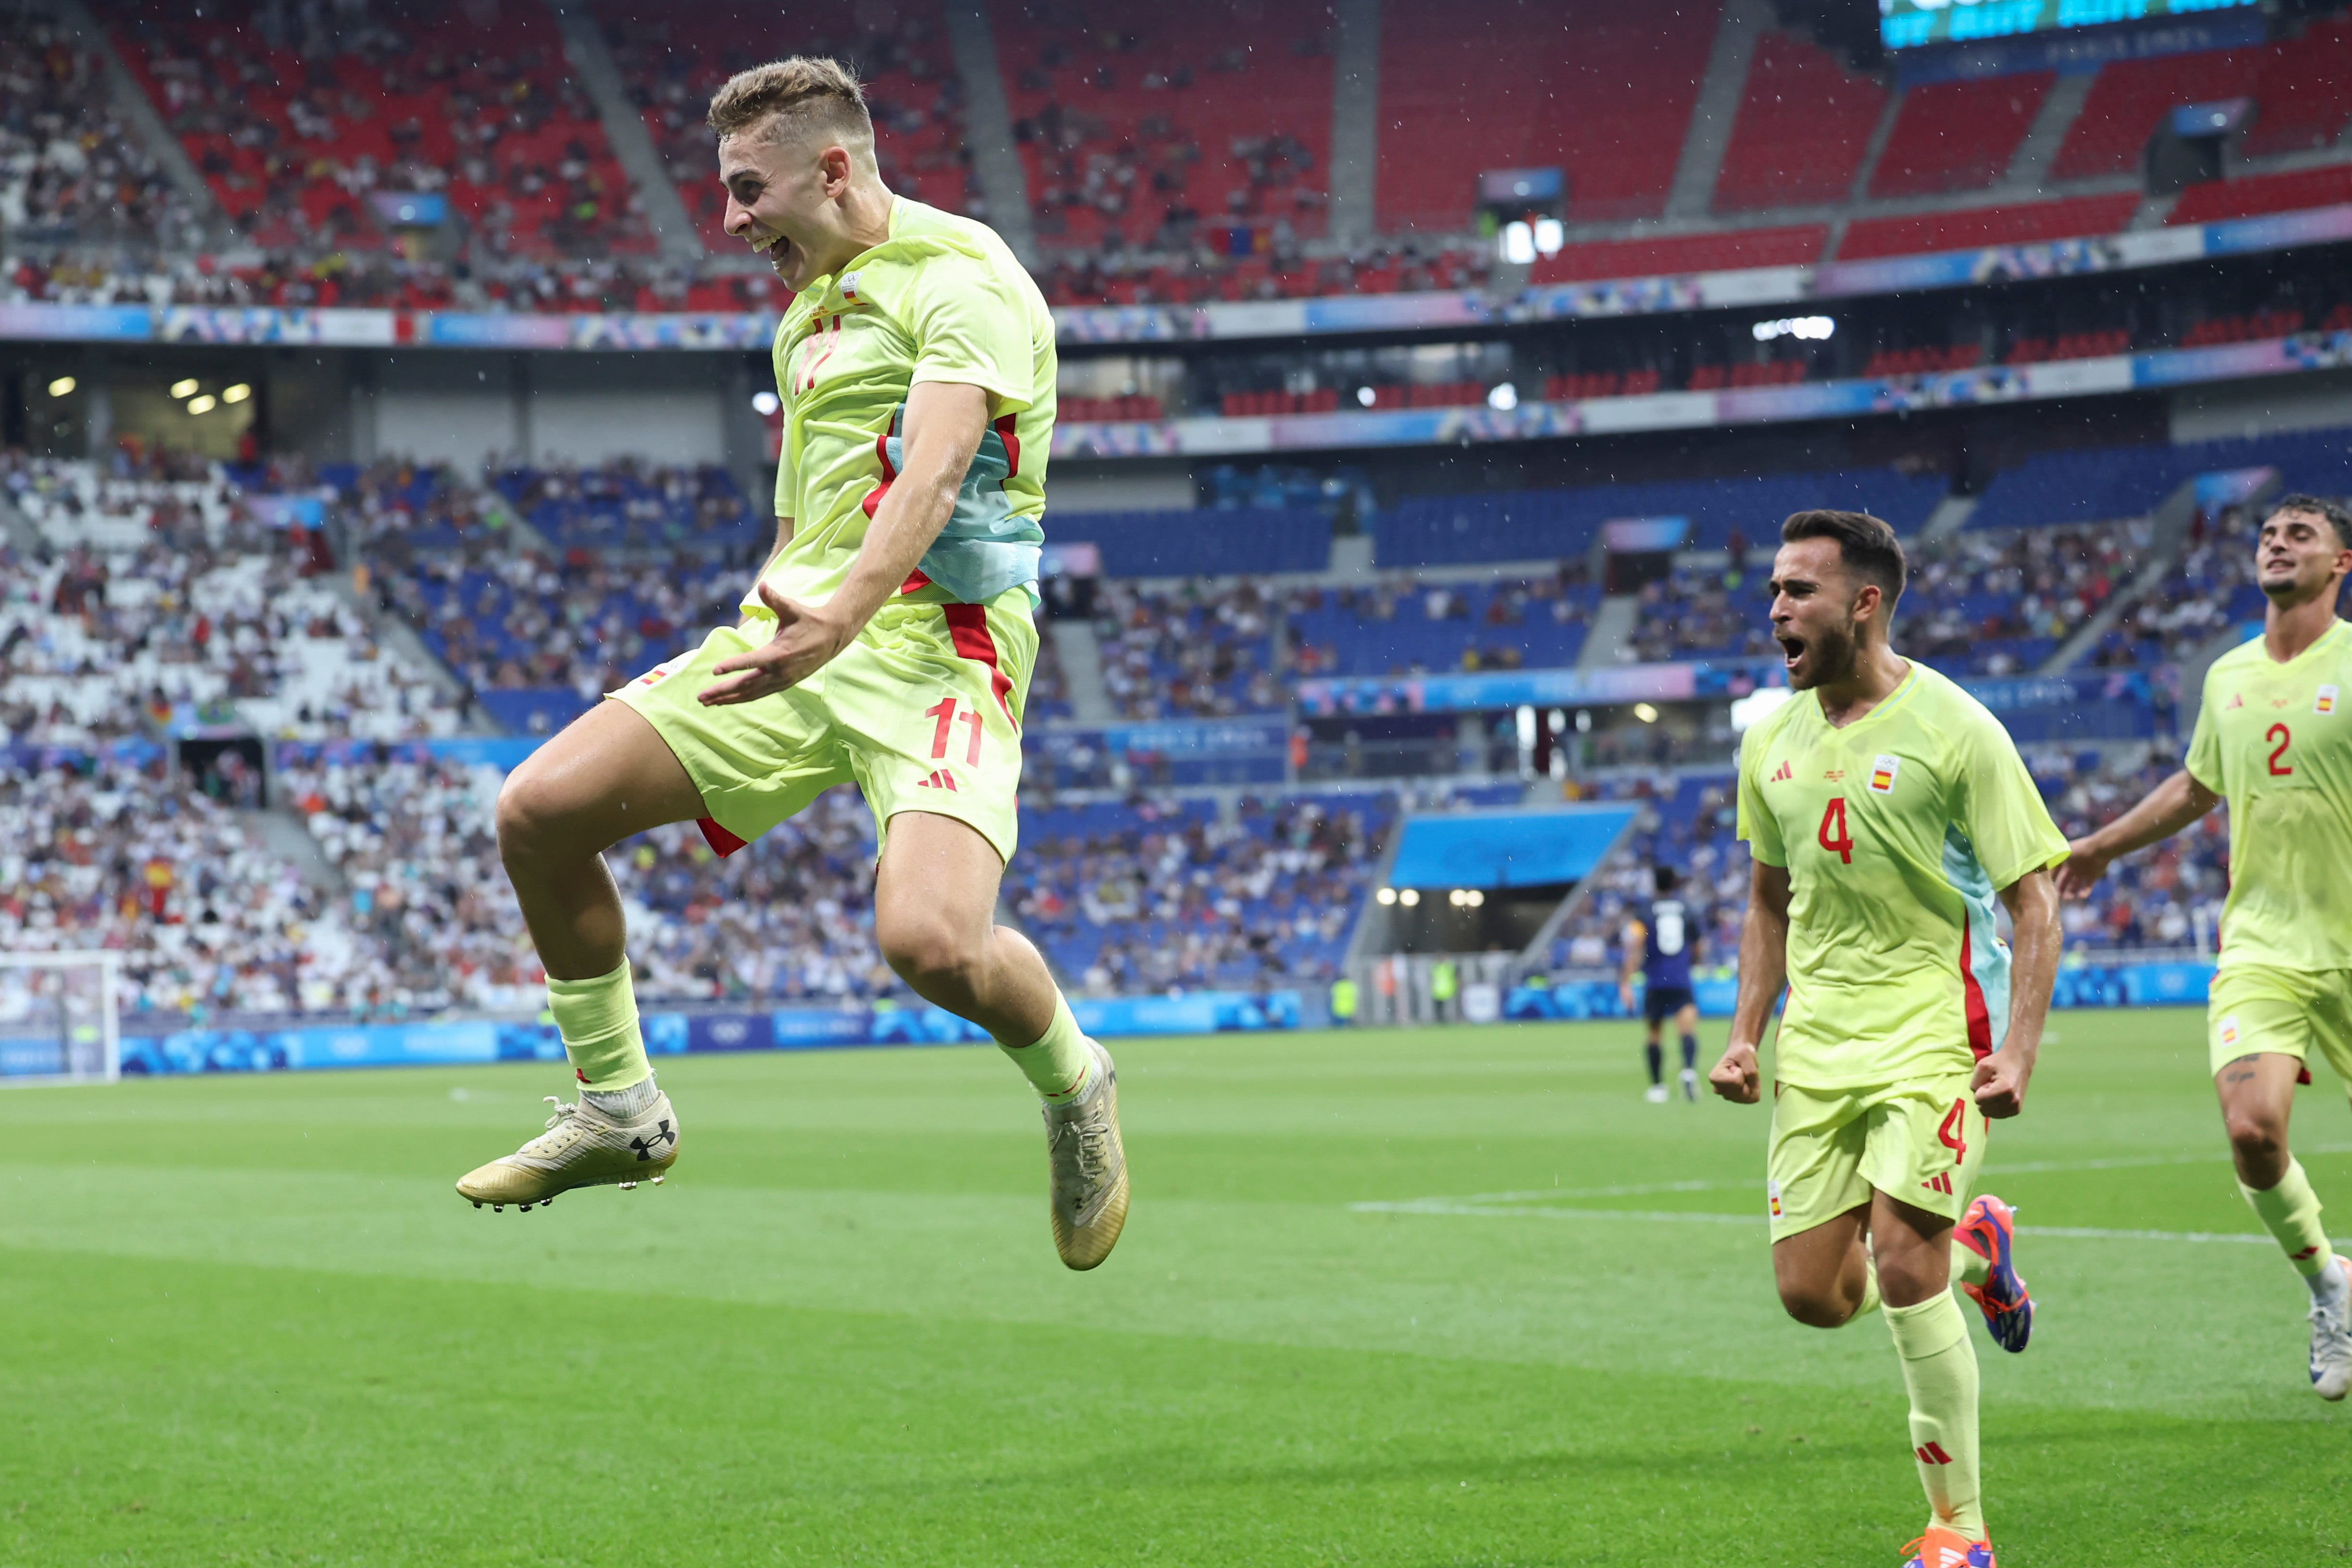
(881, 455)
(1979, 1019)
(719, 838)
(915, 580)
(968, 625)
(1012, 445)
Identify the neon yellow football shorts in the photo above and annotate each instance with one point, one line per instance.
(2257, 1007)
(1920, 1141)
(922, 710)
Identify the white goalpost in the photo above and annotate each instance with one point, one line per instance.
(57, 1018)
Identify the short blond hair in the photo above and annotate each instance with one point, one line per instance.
(787, 100)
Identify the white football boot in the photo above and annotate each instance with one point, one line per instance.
(582, 1147)
(1089, 1167)
(2331, 1340)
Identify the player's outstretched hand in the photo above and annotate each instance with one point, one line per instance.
(2081, 870)
(807, 638)
(1999, 1084)
(1735, 1076)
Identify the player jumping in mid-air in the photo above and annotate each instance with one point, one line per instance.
(1659, 949)
(888, 642)
(2274, 738)
(1885, 812)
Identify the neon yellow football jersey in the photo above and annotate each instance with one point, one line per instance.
(942, 300)
(1897, 831)
(2275, 741)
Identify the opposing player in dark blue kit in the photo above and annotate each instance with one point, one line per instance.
(1659, 949)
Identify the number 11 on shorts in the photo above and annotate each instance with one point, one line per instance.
(944, 712)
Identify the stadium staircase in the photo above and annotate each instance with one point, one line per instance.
(1081, 654)
(1719, 94)
(1355, 120)
(2028, 171)
(139, 110)
(2168, 535)
(624, 130)
(1610, 635)
(995, 160)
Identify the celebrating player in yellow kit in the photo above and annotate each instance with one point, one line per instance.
(1885, 810)
(888, 641)
(2274, 740)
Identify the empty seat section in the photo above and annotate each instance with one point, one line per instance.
(1794, 246)
(1201, 543)
(1598, 88)
(1134, 119)
(2131, 97)
(2258, 194)
(1534, 525)
(2091, 484)
(2027, 222)
(2299, 97)
(1804, 121)
(1957, 135)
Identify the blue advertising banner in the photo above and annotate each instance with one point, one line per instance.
(435, 1043)
(2087, 984)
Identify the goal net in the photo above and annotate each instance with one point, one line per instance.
(58, 1019)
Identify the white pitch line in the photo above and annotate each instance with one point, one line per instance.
(1672, 1216)
(2024, 1168)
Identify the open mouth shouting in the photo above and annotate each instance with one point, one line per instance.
(1792, 650)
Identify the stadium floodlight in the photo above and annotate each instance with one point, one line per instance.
(765, 403)
(62, 1020)
(236, 393)
(1809, 329)
(62, 385)
(1519, 243)
(204, 404)
(186, 387)
(1751, 709)
(1473, 897)
(1645, 713)
(1504, 398)
(1550, 236)
(1386, 895)
(1409, 897)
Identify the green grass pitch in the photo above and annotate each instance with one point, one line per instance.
(250, 1323)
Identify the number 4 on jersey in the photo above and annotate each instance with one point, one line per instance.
(1835, 836)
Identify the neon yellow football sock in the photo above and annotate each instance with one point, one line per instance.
(2290, 1212)
(1970, 1267)
(1057, 1061)
(1939, 1369)
(598, 1021)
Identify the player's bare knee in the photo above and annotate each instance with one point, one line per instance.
(529, 816)
(931, 954)
(1816, 1308)
(2258, 1138)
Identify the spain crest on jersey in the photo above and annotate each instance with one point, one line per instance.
(1883, 770)
(2325, 701)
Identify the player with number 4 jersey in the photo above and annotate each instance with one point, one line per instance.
(2273, 738)
(1887, 814)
